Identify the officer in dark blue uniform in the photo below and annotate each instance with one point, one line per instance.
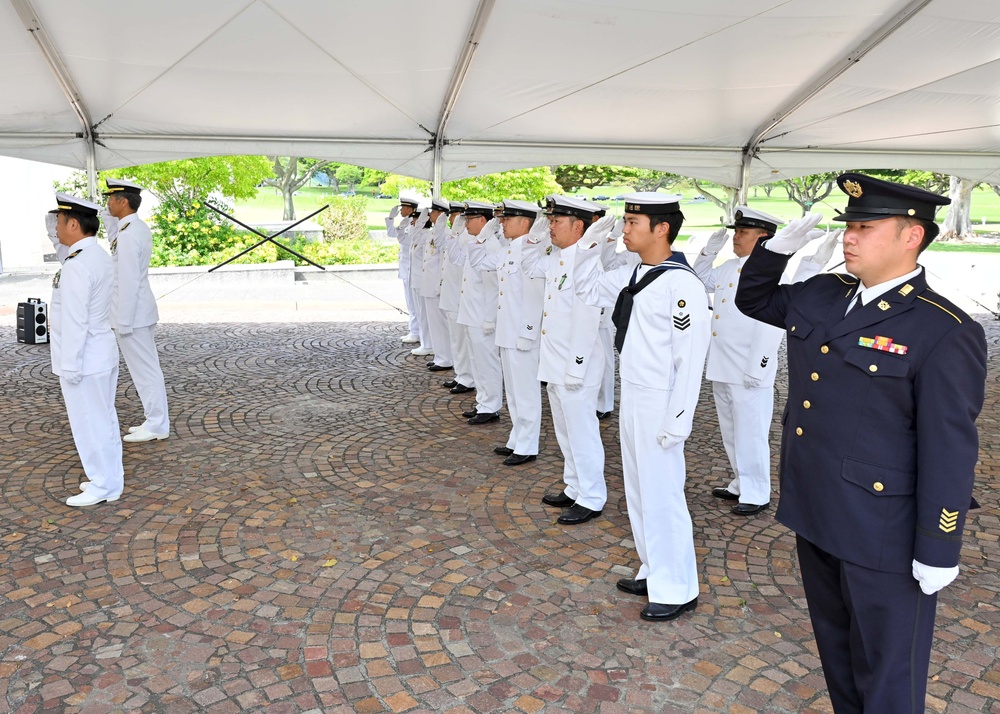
(879, 445)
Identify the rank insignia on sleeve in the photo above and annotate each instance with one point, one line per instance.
(530, 327)
(883, 305)
(763, 362)
(681, 303)
(682, 322)
(948, 521)
(883, 344)
(579, 360)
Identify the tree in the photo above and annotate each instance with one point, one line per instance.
(290, 176)
(351, 175)
(807, 191)
(532, 184)
(652, 180)
(958, 223)
(727, 202)
(194, 180)
(575, 176)
(374, 177)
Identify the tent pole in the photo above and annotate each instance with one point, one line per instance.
(744, 185)
(436, 179)
(91, 168)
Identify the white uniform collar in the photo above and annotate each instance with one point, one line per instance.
(868, 294)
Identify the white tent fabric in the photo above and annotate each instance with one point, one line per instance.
(734, 91)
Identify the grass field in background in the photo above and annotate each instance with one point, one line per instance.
(698, 215)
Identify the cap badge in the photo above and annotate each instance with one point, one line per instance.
(853, 188)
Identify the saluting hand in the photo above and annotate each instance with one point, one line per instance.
(716, 241)
(796, 234)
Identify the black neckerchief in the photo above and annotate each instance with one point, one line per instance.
(623, 307)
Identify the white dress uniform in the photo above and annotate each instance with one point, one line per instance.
(133, 306)
(660, 366)
(518, 316)
(451, 286)
(570, 345)
(430, 294)
(82, 343)
(477, 298)
(402, 235)
(419, 236)
(606, 333)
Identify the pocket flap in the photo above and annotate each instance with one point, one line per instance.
(876, 363)
(879, 480)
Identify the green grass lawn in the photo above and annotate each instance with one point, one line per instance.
(698, 215)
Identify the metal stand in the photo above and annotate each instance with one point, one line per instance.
(266, 238)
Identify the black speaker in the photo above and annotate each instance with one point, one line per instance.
(32, 322)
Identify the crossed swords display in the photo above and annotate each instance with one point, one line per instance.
(265, 237)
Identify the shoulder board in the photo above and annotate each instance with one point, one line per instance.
(939, 306)
(123, 226)
(74, 254)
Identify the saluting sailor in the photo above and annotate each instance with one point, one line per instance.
(420, 234)
(885, 381)
(662, 321)
(430, 286)
(518, 316)
(743, 359)
(453, 258)
(83, 350)
(133, 307)
(401, 232)
(572, 357)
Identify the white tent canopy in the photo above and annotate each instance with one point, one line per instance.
(738, 92)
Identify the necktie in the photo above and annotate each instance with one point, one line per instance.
(855, 304)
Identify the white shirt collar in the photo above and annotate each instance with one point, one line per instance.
(868, 294)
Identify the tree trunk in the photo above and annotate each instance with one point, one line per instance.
(957, 224)
(288, 214)
(727, 203)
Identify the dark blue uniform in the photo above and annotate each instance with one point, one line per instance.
(878, 453)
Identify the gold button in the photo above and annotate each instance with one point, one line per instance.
(793, 329)
(716, 317)
(873, 368)
(543, 332)
(730, 285)
(501, 280)
(824, 349)
(501, 292)
(723, 299)
(807, 404)
(545, 314)
(714, 334)
(814, 376)
(561, 263)
(798, 430)
(878, 486)
(550, 297)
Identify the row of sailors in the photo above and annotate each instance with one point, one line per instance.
(510, 297)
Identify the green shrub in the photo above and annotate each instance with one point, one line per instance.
(346, 219)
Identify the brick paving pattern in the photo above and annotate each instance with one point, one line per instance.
(323, 533)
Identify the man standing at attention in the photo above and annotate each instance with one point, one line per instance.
(662, 320)
(84, 355)
(133, 307)
(885, 381)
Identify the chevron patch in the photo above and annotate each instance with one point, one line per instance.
(682, 322)
(763, 362)
(579, 360)
(949, 520)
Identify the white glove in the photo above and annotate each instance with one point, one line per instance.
(524, 344)
(598, 231)
(716, 241)
(668, 440)
(422, 217)
(124, 330)
(825, 251)
(751, 382)
(110, 224)
(490, 229)
(796, 234)
(932, 579)
(459, 226)
(617, 232)
(394, 212)
(539, 230)
(51, 219)
(489, 328)
(572, 383)
(72, 377)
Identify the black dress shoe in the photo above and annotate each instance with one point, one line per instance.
(577, 514)
(603, 415)
(431, 363)
(748, 509)
(485, 418)
(515, 459)
(657, 611)
(440, 368)
(632, 586)
(461, 389)
(503, 451)
(725, 494)
(469, 414)
(559, 501)
(449, 384)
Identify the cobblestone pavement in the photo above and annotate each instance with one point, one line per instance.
(323, 533)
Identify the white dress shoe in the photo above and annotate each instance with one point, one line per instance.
(142, 435)
(83, 485)
(86, 499)
(133, 429)
(421, 351)
(409, 339)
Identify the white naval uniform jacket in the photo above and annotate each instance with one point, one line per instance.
(402, 235)
(519, 298)
(477, 296)
(132, 301)
(570, 343)
(430, 278)
(740, 345)
(452, 260)
(668, 333)
(82, 340)
(418, 240)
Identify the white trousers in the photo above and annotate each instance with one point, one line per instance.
(438, 326)
(606, 394)
(745, 422)
(411, 307)
(579, 435)
(486, 371)
(654, 494)
(460, 350)
(90, 406)
(524, 397)
(143, 362)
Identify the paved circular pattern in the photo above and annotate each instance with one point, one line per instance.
(324, 532)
